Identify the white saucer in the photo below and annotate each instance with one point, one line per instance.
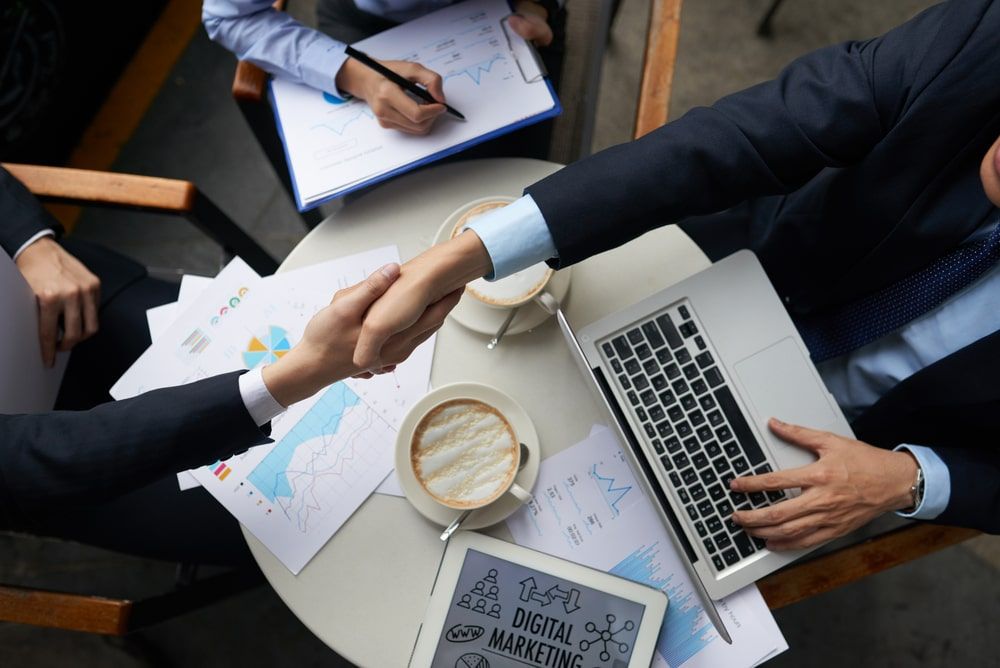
(503, 507)
(477, 316)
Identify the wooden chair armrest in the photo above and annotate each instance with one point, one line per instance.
(854, 562)
(84, 186)
(658, 65)
(92, 614)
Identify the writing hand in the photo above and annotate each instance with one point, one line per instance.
(324, 355)
(531, 22)
(392, 107)
(851, 484)
(432, 280)
(67, 293)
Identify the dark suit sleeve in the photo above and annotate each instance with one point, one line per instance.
(21, 214)
(826, 109)
(975, 488)
(79, 456)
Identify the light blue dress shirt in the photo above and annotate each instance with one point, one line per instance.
(516, 237)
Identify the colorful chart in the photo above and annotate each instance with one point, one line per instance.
(267, 349)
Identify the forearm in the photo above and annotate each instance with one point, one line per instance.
(22, 216)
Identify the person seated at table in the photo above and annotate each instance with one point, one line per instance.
(280, 45)
(866, 173)
(102, 472)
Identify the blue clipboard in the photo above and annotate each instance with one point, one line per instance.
(550, 113)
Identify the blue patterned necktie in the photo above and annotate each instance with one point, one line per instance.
(829, 335)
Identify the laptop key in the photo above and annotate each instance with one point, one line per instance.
(663, 356)
(707, 476)
(667, 464)
(691, 445)
(709, 545)
(667, 398)
(609, 350)
(664, 429)
(713, 524)
(697, 492)
(704, 359)
(715, 417)
(704, 434)
(726, 478)
(648, 398)
(672, 445)
(658, 446)
(725, 508)
(616, 366)
(740, 465)
(675, 413)
(716, 493)
(717, 562)
(652, 334)
(683, 495)
(633, 398)
(730, 556)
(722, 540)
(732, 527)
(732, 449)
(714, 377)
(641, 414)
(743, 434)
(721, 465)
(690, 371)
(655, 413)
(650, 366)
(700, 342)
(706, 509)
(679, 386)
(758, 499)
(689, 476)
(640, 382)
(700, 461)
(700, 528)
(692, 513)
(683, 429)
(688, 329)
(688, 402)
(642, 351)
(631, 367)
(712, 449)
(682, 356)
(669, 331)
(775, 495)
(659, 382)
(762, 469)
(699, 387)
(707, 403)
(672, 371)
(622, 347)
(741, 500)
(624, 382)
(649, 429)
(685, 313)
(759, 543)
(681, 460)
(696, 417)
(675, 480)
(743, 544)
(635, 336)
(724, 433)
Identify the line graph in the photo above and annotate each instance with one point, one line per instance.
(344, 118)
(612, 495)
(475, 72)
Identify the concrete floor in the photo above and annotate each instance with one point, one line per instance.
(936, 612)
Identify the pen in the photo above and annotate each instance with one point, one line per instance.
(405, 84)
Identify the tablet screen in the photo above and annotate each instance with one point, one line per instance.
(504, 615)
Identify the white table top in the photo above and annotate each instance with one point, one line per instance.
(365, 593)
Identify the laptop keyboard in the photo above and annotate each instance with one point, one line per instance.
(676, 391)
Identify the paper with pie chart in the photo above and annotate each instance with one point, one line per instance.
(490, 74)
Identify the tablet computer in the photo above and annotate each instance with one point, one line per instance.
(499, 605)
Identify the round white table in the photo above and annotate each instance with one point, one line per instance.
(365, 593)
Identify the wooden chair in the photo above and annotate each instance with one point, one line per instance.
(144, 193)
(848, 564)
(95, 614)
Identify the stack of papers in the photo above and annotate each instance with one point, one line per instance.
(332, 450)
(590, 509)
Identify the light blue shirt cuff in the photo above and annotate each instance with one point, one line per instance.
(515, 236)
(937, 483)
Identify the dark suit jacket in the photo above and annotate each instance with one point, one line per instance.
(859, 165)
(86, 456)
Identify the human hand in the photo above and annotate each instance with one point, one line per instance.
(392, 107)
(531, 22)
(324, 355)
(66, 291)
(850, 485)
(435, 277)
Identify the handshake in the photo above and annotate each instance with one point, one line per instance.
(374, 325)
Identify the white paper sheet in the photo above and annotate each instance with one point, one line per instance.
(26, 386)
(589, 508)
(330, 451)
(333, 145)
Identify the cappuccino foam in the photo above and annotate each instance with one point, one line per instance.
(463, 453)
(512, 290)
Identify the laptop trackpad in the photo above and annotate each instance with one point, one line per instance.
(780, 382)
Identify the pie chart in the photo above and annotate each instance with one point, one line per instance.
(268, 348)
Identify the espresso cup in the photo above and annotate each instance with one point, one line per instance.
(465, 455)
(517, 289)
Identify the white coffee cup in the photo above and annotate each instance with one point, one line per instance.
(511, 291)
(465, 455)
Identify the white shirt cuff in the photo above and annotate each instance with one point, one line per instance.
(256, 397)
(515, 236)
(937, 483)
(31, 240)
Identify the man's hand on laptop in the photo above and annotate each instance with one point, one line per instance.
(851, 484)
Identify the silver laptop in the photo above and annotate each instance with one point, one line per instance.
(690, 376)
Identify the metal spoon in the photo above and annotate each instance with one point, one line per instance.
(457, 522)
(495, 341)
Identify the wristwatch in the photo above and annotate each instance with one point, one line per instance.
(917, 490)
